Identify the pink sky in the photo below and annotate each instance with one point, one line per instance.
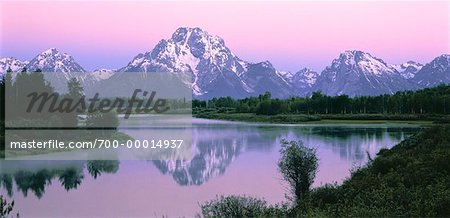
(290, 34)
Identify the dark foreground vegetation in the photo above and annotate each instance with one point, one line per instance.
(426, 104)
(412, 180)
(89, 128)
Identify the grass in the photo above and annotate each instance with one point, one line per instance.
(329, 121)
(318, 119)
(250, 117)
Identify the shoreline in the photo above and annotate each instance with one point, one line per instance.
(311, 119)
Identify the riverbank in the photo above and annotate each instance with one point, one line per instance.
(412, 179)
(321, 118)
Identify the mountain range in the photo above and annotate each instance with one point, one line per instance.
(218, 72)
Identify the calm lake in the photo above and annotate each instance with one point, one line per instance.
(228, 158)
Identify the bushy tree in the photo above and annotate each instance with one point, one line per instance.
(25, 84)
(298, 165)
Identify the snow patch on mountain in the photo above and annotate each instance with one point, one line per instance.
(12, 63)
(102, 74)
(409, 69)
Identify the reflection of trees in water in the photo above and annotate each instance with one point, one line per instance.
(6, 181)
(70, 177)
(33, 181)
(97, 167)
(353, 143)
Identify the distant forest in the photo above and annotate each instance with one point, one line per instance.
(426, 101)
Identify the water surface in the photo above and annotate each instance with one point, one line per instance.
(228, 158)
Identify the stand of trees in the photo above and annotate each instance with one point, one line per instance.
(17, 100)
(426, 101)
(15, 96)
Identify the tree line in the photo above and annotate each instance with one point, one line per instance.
(15, 95)
(426, 101)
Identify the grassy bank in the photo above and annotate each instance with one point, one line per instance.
(318, 119)
(250, 117)
(331, 121)
(412, 179)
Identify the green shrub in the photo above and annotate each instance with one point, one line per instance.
(298, 165)
(241, 206)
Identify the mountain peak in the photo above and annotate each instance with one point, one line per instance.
(184, 51)
(187, 35)
(54, 52)
(51, 51)
(216, 70)
(362, 60)
(266, 64)
(52, 60)
(442, 61)
(435, 72)
(354, 52)
(304, 79)
(359, 73)
(185, 30)
(444, 57)
(305, 69)
(412, 62)
(357, 56)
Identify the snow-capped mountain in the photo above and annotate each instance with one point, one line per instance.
(357, 73)
(435, 72)
(304, 80)
(53, 60)
(15, 64)
(409, 69)
(58, 68)
(262, 77)
(102, 74)
(216, 70)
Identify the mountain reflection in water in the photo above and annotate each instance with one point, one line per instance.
(227, 158)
